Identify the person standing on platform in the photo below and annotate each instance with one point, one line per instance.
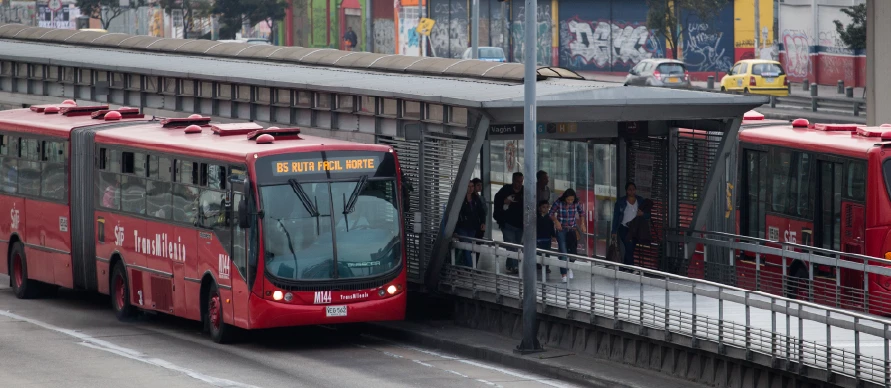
(509, 215)
(542, 191)
(478, 189)
(471, 220)
(569, 220)
(626, 209)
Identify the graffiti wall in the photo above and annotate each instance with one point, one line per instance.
(744, 30)
(708, 47)
(450, 35)
(543, 32)
(383, 27)
(21, 12)
(605, 35)
(815, 52)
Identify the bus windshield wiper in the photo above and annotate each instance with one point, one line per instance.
(307, 204)
(354, 197)
(290, 243)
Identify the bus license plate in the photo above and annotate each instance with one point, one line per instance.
(336, 311)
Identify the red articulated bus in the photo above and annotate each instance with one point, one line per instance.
(821, 185)
(230, 224)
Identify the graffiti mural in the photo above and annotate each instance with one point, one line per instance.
(543, 33)
(384, 36)
(704, 49)
(797, 58)
(604, 44)
(21, 12)
(449, 37)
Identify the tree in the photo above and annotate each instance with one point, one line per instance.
(853, 35)
(234, 13)
(192, 9)
(105, 10)
(670, 18)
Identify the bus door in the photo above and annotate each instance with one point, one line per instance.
(238, 249)
(853, 229)
(827, 228)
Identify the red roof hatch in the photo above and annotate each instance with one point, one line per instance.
(72, 111)
(127, 113)
(235, 128)
(869, 132)
(277, 133)
(185, 122)
(836, 127)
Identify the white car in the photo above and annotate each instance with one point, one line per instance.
(488, 54)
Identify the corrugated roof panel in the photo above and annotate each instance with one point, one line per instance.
(226, 49)
(196, 46)
(166, 45)
(109, 40)
(396, 63)
(358, 59)
(292, 54)
(84, 37)
(433, 66)
(58, 36)
(315, 56)
(32, 33)
(138, 42)
(258, 51)
(507, 73)
(9, 30)
(326, 58)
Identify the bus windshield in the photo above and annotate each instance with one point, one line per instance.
(348, 229)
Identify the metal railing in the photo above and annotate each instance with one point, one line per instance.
(851, 348)
(823, 276)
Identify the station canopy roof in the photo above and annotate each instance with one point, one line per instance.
(495, 88)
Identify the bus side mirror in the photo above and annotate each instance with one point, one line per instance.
(243, 219)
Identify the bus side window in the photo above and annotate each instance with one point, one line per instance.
(855, 185)
(185, 203)
(158, 187)
(8, 164)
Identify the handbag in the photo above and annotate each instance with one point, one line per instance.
(612, 253)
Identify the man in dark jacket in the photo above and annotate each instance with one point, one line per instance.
(508, 214)
(471, 219)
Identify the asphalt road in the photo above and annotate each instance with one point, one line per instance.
(74, 340)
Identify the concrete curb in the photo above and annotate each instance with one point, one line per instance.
(502, 357)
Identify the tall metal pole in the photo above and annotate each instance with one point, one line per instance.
(757, 29)
(475, 30)
(530, 327)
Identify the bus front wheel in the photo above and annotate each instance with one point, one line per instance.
(220, 332)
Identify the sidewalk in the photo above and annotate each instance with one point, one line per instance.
(556, 363)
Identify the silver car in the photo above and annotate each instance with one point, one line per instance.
(489, 54)
(660, 73)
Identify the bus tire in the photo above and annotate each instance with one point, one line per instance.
(120, 294)
(23, 287)
(220, 332)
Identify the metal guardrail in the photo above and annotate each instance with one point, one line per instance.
(823, 276)
(842, 105)
(842, 344)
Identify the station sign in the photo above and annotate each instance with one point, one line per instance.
(540, 128)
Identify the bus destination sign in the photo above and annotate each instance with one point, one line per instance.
(332, 165)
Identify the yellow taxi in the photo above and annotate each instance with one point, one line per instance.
(756, 76)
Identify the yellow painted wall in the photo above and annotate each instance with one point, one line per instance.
(744, 26)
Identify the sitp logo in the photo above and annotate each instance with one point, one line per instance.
(224, 266)
(14, 214)
(322, 297)
(119, 235)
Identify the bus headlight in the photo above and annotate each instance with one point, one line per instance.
(391, 290)
(277, 295)
(288, 297)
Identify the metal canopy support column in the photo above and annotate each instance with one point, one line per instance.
(456, 197)
(713, 182)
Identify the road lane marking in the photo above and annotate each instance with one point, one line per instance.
(95, 343)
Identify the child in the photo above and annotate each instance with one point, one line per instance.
(544, 229)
